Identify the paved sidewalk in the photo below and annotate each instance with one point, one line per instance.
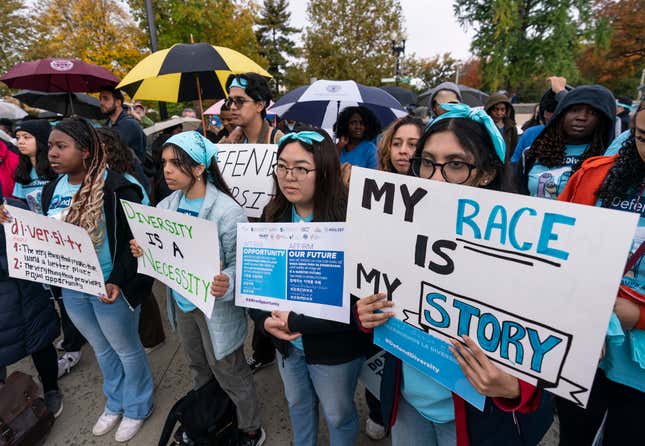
(84, 401)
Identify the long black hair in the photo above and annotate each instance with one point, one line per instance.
(185, 164)
(474, 138)
(120, 157)
(330, 193)
(372, 125)
(22, 174)
(627, 174)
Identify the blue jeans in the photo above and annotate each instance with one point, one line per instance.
(305, 385)
(413, 428)
(112, 331)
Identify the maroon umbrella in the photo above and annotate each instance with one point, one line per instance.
(59, 75)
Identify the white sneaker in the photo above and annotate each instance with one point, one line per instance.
(127, 429)
(374, 430)
(105, 423)
(67, 361)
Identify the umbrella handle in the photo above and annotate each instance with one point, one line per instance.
(201, 106)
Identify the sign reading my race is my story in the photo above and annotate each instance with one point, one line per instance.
(179, 250)
(46, 250)
(292, 267)
(532, 281)
(248, 171)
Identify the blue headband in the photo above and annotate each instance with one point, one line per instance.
(238, 82)
(200, 149)
(480, 116)
(625, 106)
(308, 137)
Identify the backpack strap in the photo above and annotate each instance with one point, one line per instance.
(272, 137)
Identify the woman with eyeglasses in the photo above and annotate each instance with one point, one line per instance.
(462, 146)
(319, 360)
(249, 96)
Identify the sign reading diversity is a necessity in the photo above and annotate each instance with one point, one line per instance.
(179, 250)
(521, 276)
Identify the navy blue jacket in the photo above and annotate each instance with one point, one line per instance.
(28, 320)
(130, 132)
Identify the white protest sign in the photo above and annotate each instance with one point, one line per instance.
(248, 171)
(372, 373)
(46, 250)
(292, 267)
(179, 250)
(532, 281)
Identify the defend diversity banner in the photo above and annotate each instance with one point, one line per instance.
(46, 250)
(179, 250)
(292, 267)
(248, 171)
(532, 281)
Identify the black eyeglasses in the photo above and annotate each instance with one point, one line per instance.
(237, 100)
(456, 172)
(297, 172)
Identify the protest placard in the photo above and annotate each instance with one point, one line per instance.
(248, 171)
(48, 251)
(531, 281)
(292, 267)
(179, 250)
(372, 373)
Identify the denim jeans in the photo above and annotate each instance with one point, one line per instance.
(112, 331)
(413, 428)
(305, 385)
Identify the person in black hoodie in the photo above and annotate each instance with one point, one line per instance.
(318, 360)
(87, 194)
(581, 127)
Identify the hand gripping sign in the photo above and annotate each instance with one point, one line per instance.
(532, 281)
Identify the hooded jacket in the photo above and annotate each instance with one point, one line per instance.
(596, 96)
(509, 131)
(134, 286)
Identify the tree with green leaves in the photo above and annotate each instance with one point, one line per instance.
(431, 70)
(273, 36)
(351, 39)
(521, 42)
(14, 35)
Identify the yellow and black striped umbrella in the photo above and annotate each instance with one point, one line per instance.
(178, 73)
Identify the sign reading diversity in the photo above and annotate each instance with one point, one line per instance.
(518, 275)
(292, 267)
(179, 250)
(248, 171)
(46, 250)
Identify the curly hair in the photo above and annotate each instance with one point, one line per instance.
(626, 175)
(120, 157)
(549, 147)
(372, 125)
(86, 209)
(384, 157)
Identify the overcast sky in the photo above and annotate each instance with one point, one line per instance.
(431, 27)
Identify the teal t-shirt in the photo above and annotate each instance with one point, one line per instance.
(295, 218)
(133, 180)
(624, 360)
(427, 396)
(188, 207)
(548, 182)
(31, 192)
(58, 208)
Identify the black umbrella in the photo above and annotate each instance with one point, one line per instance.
(469, 95)
(65, 104)
(403, 95)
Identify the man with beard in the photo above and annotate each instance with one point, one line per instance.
(126, 126)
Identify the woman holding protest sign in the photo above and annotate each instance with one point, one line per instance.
(213, 347)
(318, 360)
(615, 182)
(461, 146)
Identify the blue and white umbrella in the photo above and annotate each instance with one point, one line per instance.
(320, 103)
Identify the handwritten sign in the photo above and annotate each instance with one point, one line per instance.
(46, 250)
(248, 171)
(521, 276)
(179, 250)
(292, 267)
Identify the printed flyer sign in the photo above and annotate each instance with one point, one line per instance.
(46, 250)
(292, 267)
(518, 275)
(248, 171)
(372, 373)
(179, 250)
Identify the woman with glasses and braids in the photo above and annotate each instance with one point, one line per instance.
(88, 195)
(461, 146)
(319, 360)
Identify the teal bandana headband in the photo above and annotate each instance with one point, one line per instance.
(200, 149)
(238, 82)
(308, 137)
(480, 116)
